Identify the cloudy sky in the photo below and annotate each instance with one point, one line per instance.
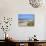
(26, 16)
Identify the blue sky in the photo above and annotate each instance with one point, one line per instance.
(26, 16)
